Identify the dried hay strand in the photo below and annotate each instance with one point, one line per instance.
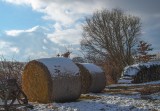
(51, 79)
(89, 97)
(85, 78)
(98, 79)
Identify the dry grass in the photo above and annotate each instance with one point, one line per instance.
(149, 89)
(142, 89)
(87, 96)
(119, 91)
(109, 74)
(112, 71)
(11, 70)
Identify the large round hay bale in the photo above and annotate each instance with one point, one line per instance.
(94, 75)
(85, 79)
(51, 79)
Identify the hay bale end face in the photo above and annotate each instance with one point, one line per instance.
(51, 79)
(97, 77)
(85, 78)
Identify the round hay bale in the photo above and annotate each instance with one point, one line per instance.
(97, 77)
(51, 79)
(85, 79)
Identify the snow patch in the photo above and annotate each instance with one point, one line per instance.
(106, 102)
(124, 81)
(59, 66)
(132, 70)
(92, 68)
(146, 83)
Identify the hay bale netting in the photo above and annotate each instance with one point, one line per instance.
(85, 78)
(95, 75)
(51, 79)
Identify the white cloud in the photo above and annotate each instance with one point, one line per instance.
(14, 49)
(18, 2)
(32, 43)
(34, 55)
(67, 36)
(58, 27)
(65, 12)
(14, 32)
(18, 32)
(35, 4)
(7, 48)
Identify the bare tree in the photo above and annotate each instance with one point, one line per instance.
(111, 35)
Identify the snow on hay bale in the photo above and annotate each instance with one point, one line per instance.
(51, 79)
(93, 78)
(142, 72)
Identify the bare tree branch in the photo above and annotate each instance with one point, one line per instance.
(112, 35)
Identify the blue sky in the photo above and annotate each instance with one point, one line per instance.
(43, 28)
(19, 17)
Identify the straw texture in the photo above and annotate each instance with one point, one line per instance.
(40, 84)
(86, 78)
(93, 77)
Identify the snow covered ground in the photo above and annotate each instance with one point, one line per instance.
(106, 102)
(140, 84)
(132, 101)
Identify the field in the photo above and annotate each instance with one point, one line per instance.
(121, 97)
(115, 97)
